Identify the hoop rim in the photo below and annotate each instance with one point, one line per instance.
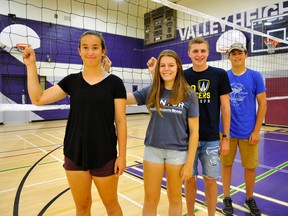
(269, 41)
(22, 45)
(223, 49)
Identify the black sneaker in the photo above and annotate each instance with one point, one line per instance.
(251, 205)
(227, 207)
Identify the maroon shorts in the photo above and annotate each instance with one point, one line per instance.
(106, 170)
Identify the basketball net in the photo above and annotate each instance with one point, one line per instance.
(271, 45)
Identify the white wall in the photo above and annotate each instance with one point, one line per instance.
(222, 8)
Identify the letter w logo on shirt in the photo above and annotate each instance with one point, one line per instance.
(203, 85)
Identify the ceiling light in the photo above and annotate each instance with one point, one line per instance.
(268, 23)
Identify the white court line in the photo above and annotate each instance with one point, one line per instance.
(45, 139)
(45, 182)
(163, 191)
(32, 185)
(41, 149)
(238, 189)
(53, 136)
(139, 158)
(254, 194)
(199, 192)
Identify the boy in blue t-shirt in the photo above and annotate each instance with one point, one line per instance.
(248, 90)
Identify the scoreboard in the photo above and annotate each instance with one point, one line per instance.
(160, 25)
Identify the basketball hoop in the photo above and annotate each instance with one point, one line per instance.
(271, 45)
(224, 52)
(21, 46)
(223, 49)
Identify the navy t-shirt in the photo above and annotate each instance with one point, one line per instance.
(209, 85)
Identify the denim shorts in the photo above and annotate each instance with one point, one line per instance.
(208, 154)
(159, 155)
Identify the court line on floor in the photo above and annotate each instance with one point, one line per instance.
(25, 167)
(33, 185)
(241, 188)
(41, 149)
(29, 129)
(277, 140)
(16, 155)
(163, 190)
(21, 185)
(268, 167)
(200, 206)
(24, 149)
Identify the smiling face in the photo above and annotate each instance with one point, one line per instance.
(91, 50)
(168, 70)
(237, 58)
(199, 53)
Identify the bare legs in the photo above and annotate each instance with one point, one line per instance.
(190, 193)
(153, 174)
(80, 184)
(226, 179)
(211, 193)
(250, 176)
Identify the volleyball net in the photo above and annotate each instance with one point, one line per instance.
(134, 31)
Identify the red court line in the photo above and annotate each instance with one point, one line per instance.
(17, 155)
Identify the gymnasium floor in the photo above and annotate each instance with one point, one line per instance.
(33, 182)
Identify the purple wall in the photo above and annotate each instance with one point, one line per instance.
(61, 43)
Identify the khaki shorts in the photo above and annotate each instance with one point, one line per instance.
(248, 153)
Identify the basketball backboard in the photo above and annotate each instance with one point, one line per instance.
(227, 39)
(276, 26)
(18, 34)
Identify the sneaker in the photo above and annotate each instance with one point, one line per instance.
(227, 207)
(251, 205)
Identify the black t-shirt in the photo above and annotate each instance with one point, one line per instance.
(90, 139)
(209, 85)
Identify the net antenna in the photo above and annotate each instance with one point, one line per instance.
(271, 45)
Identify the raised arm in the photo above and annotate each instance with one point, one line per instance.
(106, 64)
(36, 93)
(151, 64)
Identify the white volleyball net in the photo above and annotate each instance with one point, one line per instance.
(134, 31)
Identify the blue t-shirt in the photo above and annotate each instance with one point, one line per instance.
(245, 89)
(170, 131)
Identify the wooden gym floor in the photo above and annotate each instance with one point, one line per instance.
(33, 182)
